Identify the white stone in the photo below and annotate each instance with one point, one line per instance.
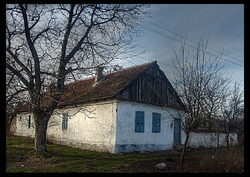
(161, 166)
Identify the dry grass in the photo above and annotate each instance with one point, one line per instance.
(196, 161)
(226, 161)
(36, 162)
(20, 157)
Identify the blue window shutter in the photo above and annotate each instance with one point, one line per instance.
(139, 121)
(156, 123)
(159, 123)
(137, 124)
(65, 121)
(142, 122)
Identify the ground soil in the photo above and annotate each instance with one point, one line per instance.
(20, 157)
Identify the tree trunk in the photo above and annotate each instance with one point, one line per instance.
(40, 134)
(218, 141)
(227, 140)
(184, 149)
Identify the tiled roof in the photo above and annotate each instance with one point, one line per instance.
(83, 91)
(110, 85)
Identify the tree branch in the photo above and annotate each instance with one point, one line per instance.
(66, 36)
(35, 22)
(18, 74)
(45, 30)
(32, 49)
(78, 46)
(17, 92)
(19, 62)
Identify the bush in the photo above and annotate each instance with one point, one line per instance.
(229, 161)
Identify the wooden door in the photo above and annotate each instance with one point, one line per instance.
(177, 130)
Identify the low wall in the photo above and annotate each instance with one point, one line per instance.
(209, 140)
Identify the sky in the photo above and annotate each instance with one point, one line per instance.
(221, 24)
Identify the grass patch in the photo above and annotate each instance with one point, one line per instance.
(225, 161)
(20, 157)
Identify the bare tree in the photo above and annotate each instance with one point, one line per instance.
(232, 110)
(48, 44)
(196, 80)
(216, 94)
(15, 95)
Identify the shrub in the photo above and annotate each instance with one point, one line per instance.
(229, 161)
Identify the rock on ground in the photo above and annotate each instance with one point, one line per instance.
(161, 166)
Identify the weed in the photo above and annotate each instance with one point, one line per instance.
(231, 160)
(20, 157)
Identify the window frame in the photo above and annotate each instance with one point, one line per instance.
(139, 119)
(156, 122)
(29, 121)
(65, 121)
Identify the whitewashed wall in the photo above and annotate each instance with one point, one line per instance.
(107, 126)
(91, 127)
(127, 140)
(22, 129)
(209, 140)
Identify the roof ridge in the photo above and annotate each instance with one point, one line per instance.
(143, 64)
(106, 74)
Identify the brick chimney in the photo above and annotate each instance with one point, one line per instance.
(98, 73)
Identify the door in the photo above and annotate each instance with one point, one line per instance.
(177, 130)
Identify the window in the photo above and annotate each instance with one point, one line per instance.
(139, 121)
(29, 121)
(64, 121)
(156, 123)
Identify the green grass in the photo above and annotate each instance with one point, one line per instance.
(20, 157)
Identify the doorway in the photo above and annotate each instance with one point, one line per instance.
(177, 130)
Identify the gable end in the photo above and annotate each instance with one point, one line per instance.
(151, 86)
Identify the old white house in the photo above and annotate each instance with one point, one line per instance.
(124, 111)
(133, 109)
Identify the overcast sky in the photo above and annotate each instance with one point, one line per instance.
(223, 23)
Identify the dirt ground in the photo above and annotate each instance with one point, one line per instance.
(20, 157)
(190, 166)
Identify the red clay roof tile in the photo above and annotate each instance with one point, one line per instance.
(83, 91)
